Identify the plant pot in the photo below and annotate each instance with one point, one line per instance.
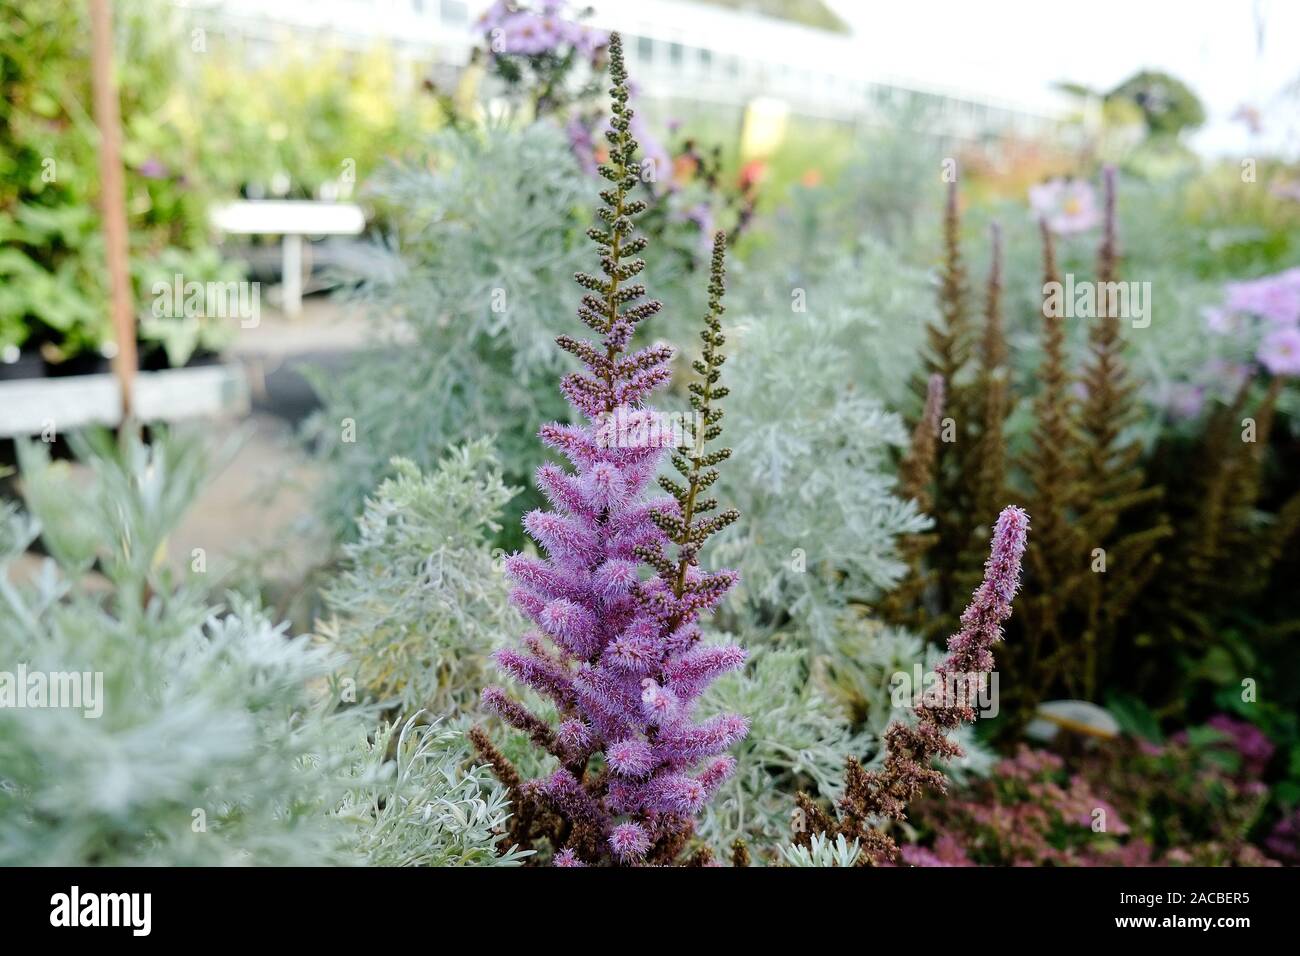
(87, 363)
(152, 358)
(204, 357)
(27, 365)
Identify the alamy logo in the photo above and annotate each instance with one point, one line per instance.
(1088, 300)
(179, 299)
(932, 689)
(648, 428)
(75, 690)
(103, 909)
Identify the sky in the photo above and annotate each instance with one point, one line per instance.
(1230, 52)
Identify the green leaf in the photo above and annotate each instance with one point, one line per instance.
(1135, 717)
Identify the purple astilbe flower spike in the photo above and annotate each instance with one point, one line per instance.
(567, 857)
(629, 841)
(616, 649)
(910, 751)
(970, 650)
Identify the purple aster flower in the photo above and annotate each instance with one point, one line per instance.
(152, 169)
(525, 34)
(1067, 205)
(1184, 400)
(1280, 352)
(1275, 298)
(495, 15)
(521, 29)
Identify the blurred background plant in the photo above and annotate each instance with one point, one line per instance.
(214, 738)
(53, 294)
(463, 297)
(313, 123)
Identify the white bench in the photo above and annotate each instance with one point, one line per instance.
(29, 406)
(292, 219)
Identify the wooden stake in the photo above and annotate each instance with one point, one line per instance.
(113, 198)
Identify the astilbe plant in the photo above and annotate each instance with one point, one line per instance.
(1226, 591)
(619, 654)
(902, 604)
(1051, 465)
(875, 796)
(1111, 473)
(860, 672)
(1103, 528)
(967, 468)
(1223, 552)
(947, 353)
(994, 399)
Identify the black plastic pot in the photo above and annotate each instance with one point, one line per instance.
(88, 363)
(151, 358)
(27, 365)
(204, 357)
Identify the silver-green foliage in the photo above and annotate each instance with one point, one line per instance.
(813, 479)
(864, 298)
(420, 600)
(208, 749)
(424, 805)
(798, 739)
(218, 739)
(466, 298)
(823, 852)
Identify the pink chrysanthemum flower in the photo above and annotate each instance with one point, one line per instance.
(1068, 205)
